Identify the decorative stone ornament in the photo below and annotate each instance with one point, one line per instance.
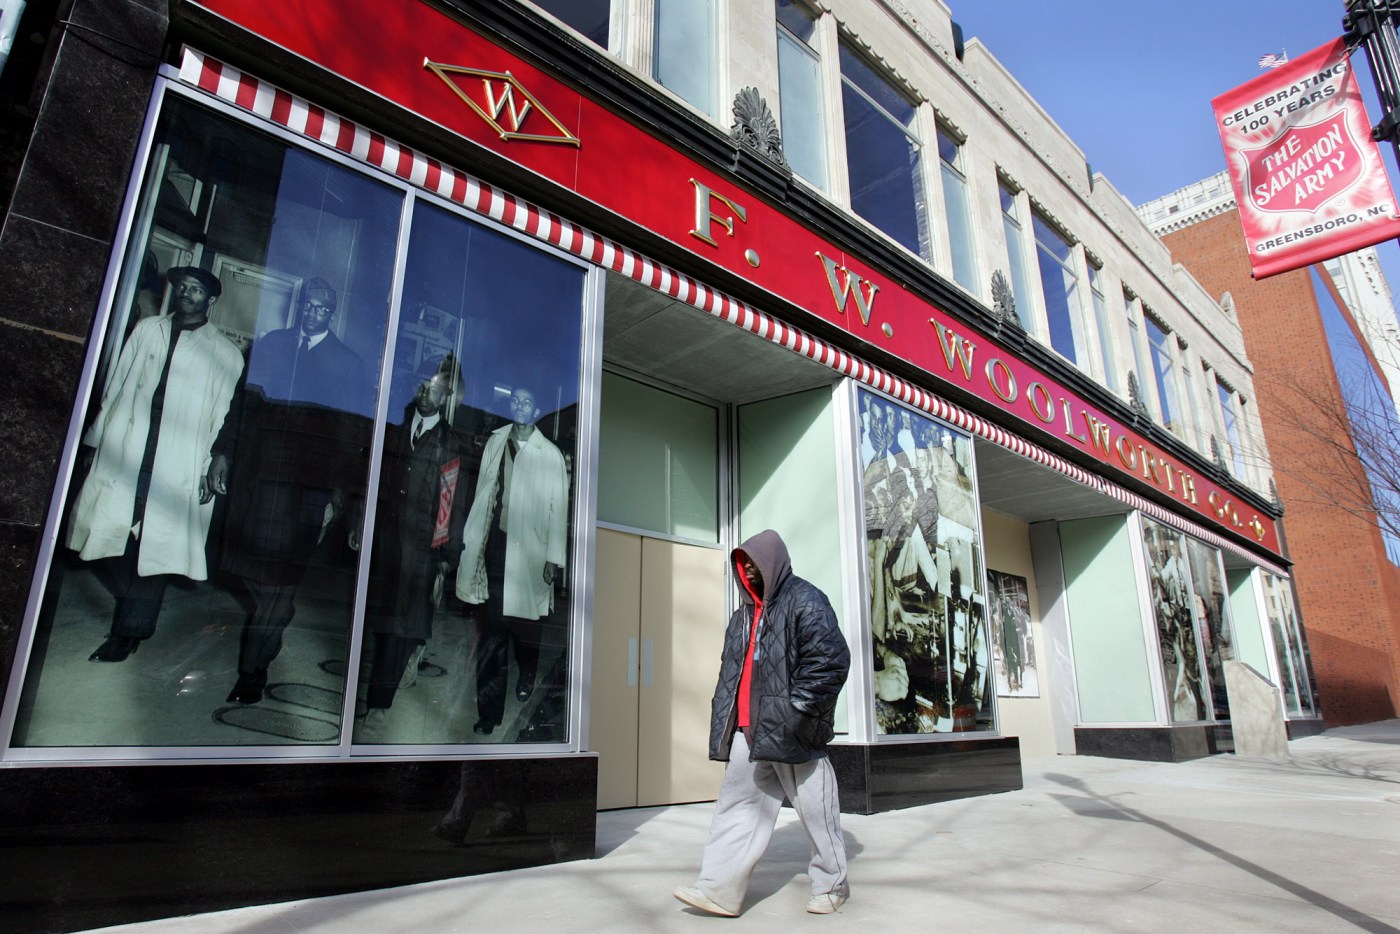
(1004, 300)
(1135, 395)
(756, 127)
(1216, 454)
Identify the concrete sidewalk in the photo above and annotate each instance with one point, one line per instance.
(1311, 843)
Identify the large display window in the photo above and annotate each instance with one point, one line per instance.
(325, 480)
(1194, 631)
(932, 671)
(1210, 606)
(1289, 648)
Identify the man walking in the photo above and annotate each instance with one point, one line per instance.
(148, 499)
(514, 545)
(784, 661)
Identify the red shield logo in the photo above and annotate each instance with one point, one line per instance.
(1304, 167)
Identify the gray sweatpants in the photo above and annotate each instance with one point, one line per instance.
(746, 812)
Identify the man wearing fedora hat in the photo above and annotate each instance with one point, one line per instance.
(147, 500)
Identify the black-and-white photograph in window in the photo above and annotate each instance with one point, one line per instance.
(1288, 646)
(202, 592)
(207, 578)
(1211, 608)
(1173, 606)
(931, 655)
(467, 619)
(1013, 643)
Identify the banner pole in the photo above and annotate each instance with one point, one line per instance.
(1372, 23)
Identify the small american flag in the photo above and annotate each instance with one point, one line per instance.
(1273, 60)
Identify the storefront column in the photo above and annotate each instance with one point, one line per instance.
(57, 235)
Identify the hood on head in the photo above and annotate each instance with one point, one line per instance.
(769, 554)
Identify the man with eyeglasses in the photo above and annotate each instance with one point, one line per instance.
(514, 547)
(295, 448)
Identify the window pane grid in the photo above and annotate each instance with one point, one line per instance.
(957, 211)
(1101, 322)
(1163, 373)
(1060, 288)
(800, 102)
(1016, 254)
(684, 54)
(883, 158)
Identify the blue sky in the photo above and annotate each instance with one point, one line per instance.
(1131, 81)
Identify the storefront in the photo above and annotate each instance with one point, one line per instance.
(559, 363)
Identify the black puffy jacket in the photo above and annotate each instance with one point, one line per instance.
(799, 666)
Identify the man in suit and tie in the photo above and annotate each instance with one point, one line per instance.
(301, 426)
(417, 537)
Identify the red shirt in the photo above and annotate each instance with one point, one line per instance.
(746, 676)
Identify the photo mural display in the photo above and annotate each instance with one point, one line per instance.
(1175, 609)
(1013, 644)
(225, 554)
(1289, 648)
(1214, 626)
(931, 654)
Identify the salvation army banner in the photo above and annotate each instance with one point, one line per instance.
(1307, 175)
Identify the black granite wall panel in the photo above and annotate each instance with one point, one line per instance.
(887, 776)
(93, 846)
(55, 243)
(1150, 744)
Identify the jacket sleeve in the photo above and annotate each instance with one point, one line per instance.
(823, 660)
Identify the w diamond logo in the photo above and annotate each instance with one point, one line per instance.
(504, 104)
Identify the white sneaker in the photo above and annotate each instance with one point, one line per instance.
(695, 898)
(826, 903)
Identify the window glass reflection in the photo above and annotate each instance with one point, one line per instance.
(466, 628)
(224, 459)
(927, 596)
(1173, 605)
(1292, 663)
(882, 154)
(1211, 610)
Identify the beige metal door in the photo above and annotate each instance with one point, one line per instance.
(658, 629)
(617, 627)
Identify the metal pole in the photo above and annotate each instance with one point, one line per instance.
(1371, 23)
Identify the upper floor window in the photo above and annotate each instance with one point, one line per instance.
(1103, 327)
(1189, 417)
(957, 209)
(1235, 455)
(1059, 284)
(1014, 231)
(1159, 346)
(589, 17)
(1130, 313)
(684, 55)
(883, 154)
(800, 93)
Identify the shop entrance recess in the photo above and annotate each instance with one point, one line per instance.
(659, 595)
(706, 435)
